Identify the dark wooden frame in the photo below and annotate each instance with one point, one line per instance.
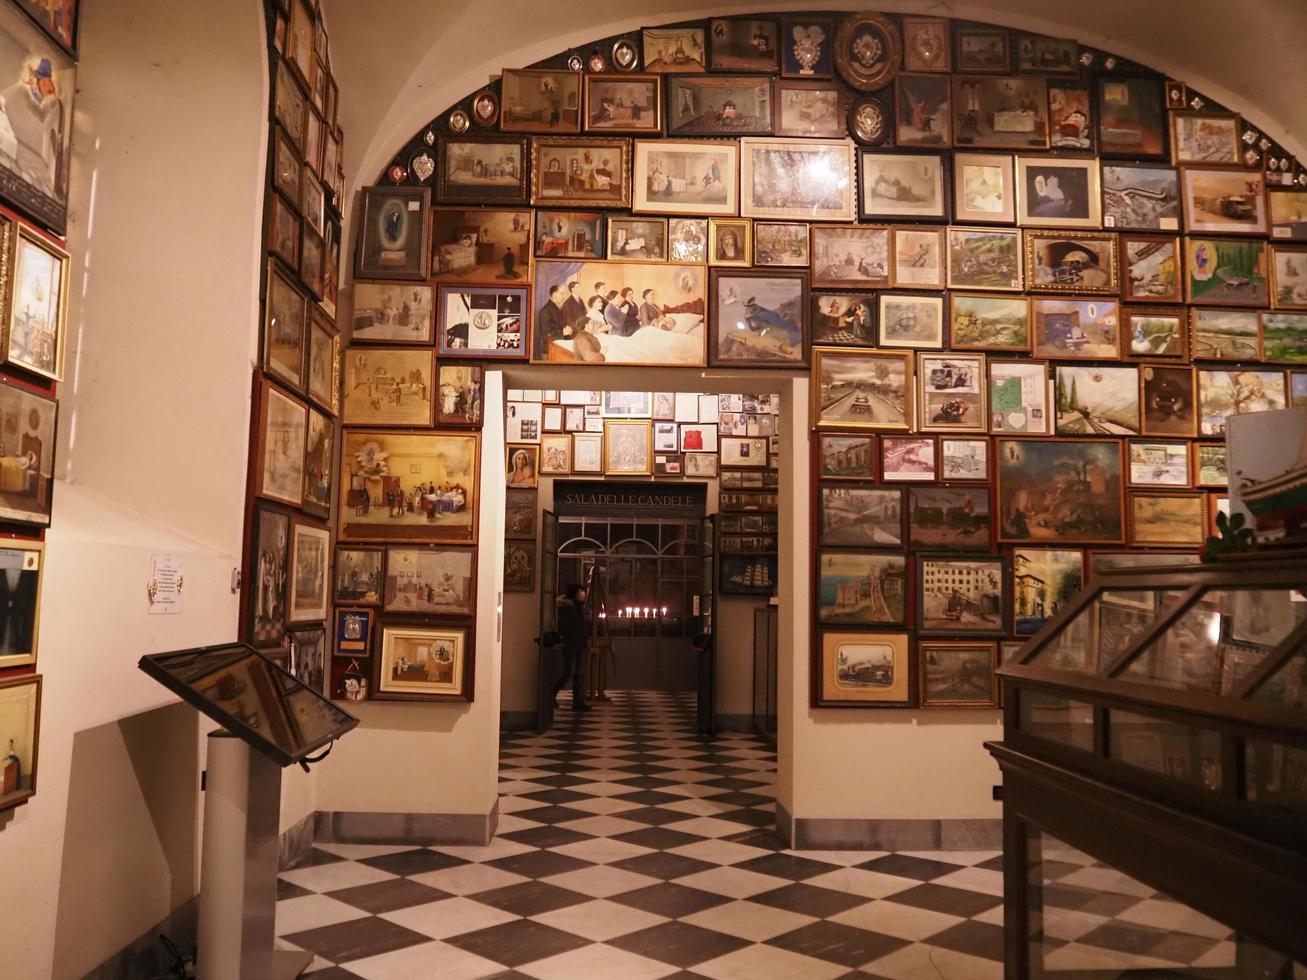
(819, 530)
(1123, 266)
(33, 766)
(1178, 492)
(258, 444)
(419, 195)
(1004, 627)
(429, 546)
(338, 613)
(838, 129)
(336, 597)
(816, 698)
(468, 687)
(990, 647)
(328, 574)
(445, 195)
(800, 276)
(972, 487)
(624, 78)
(1063, 442)
(714, 80)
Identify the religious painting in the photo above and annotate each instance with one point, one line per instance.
(269, 588)
(961, 596)
(430, 581)
(424, 663)
(903, 185)
(674, 50)
(588, 172)
(319, 447)
(922, 118)
(1000, 113)
(393, 313)
(623, 104)
(685, 177)
(310, 569)
(540, 101)
(1067, 490)
(290, 107)
(861, 588)
(1131, 116)
(911, 321)
(20, 727)
(925, 43)
(519, 566)
(803, 179)
(743, 45)
(958, 675)
(458, 395)
(1226, 272)
(948, 518)
(730, 242)
(522, 465)
(628, 447)
(482, 170)
(360, 575)
(284, 328)
(964, 459)
(1141, 197)
(758, 318)
(857, 389)
(845, 257)
(1096, 400)
(984, 188)
(806, 47)
(809, 109)
(862, 669)
(388, 386)
(719, 105)
(482, 321)
(555, 454)
(619, 313)
(844, 319)
(570, 234)
(283, 230)
(979, 322)
(637, 238)
(1087, 329)
(408, 486)
(280, 442)
(918, 257)
(481, 246)
(393, 238)
(1157, 331)
(33, 300)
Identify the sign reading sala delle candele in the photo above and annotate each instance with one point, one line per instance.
(595, 497)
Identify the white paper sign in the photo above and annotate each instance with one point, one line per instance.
(164, 589)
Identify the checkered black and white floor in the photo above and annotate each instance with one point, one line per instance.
(629, 848)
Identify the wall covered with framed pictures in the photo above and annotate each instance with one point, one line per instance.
(1029, 280)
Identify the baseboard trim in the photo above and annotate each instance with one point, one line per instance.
(295, 843)
(852, 834)
(145, 956)
(357, 827)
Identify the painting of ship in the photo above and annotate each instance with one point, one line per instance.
(1268, 465)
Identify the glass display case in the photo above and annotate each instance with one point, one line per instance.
(1154, 759)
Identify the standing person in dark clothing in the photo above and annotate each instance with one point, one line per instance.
(571, 623)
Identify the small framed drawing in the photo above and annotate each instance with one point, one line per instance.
(918, 257)
(1131, 116)
(980, 48)
(279, 445)
(958, 675)
(1288, 214)
(862, 669)
(1210, 467)
(684, 177)
(1284, 337)
(964, 459)
(1167, 519)
(902, 185)
(677, 50)
(984, 115)
(861, 389)
(424, 663)
(519, 566)
(743, 45)
(951, 392)
(556, 454)
(758, 318)
(669, 464)
(627, 405)
(1152, 269)
(522, 421)
(984, 188)
(1209, 138)
(33, 300)
(1225, 335)
(949, 519)
(628, 447)
(458, 395)
(570, 234)
(1288, 278)
(1093, 400)
(911, 321)
(847, 457)
(924, 117)
(719, 105)
(389, 386)
(393, 239)
(700, 465)
(393, 313)
(1058, 192)
(587, 452)
(844, 319)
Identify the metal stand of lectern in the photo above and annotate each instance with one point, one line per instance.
(238, 883)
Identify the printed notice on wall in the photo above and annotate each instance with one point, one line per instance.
(164, 589)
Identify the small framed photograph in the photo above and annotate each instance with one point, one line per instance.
(628, 447)
(20, 725)
(389, 386)
(719, 105)
(951, 393)
(984, 258)
(964, 459)
(1158, 464)
(963, 595)
(918, 257)
(1288, 277)
(807, 47)
(949, 519)
(857, 389)
(688, 239)
(1096, 400)
(847, 457)
(687, 177)
(1001, 113)
(279, 445)
(424, 663)
(980, 48)
(482, 321)
(523, 465)
(1225, 335)
(1075, 262)
(1018, 398)
(782, 243)
(570, 235)
(861, 588)
(666, 437)
(353, 633)
(627, 405)
(1152, 269)
(861, 669)
(1131, 116)
(989, 323)
(729, 241)
(798, 179)
(674, 50)
(911, 321)
(310, 565)
(1211, 468)
(587, 452)
(743, 453)
(758, 318)
(1041, 574)
(908, 459)
(700, 465)
(574, 418)
(984, 188)
(1288, 214)
(1071, 116)
(1226, 272)
(393, 240)
(586, 172)
(809, 108)
(556, 454)
(743, 45)
(1168, 520)
(637, 238)
(1073, 328)
(844, 319)
(903, 185)
(1154, 331)
(1141, 197)
(430, 580)
(1209, 138)
(1284, 337)
(850, 256)
(923, 114)
(1223, 201)
(360, 575)
(1058, 192)
(958, 675)
(623, 104)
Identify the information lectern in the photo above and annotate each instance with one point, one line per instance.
(261, 707)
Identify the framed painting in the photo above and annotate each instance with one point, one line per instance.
(393, 313)
(587, 452)
(1141, 197)
(637, 238)
(312, 246)
(393, 240)
(918, 257)
(908, 459)
(401, 486)
(981, 48)
(911, 321)
(743, 45)
(556, 454)
(290, 107)
(1225, 335)
(519, 566)
(861, 588)
(628, 447)
(655, 318)
(1154, 331)
(482, 321)
(1284, 337)
(1152, 269)
(1226, 272)
(855, 515)
(1287, 212)
(922, 111)
(1210, 465)
(989, 323)
(687, 239)
(984, 188)
(360, 575)
(1167, 519)
(862, 669)
(308, 656)
(269, 587)
(1058, 192)
(730, 242)
(539, 101)
(430, 581)
(1210, 138)
(1288, 277)
(458, 395)
(20, 727)
(951, 393)
(33, 300)
(1074, 328)
(522, 465)
(1000, 112)
(958, 675)
(719, 105)
(984, 258)
(1018, 398)
(1038, 480)
(283, 231)
(1075, 262)
(623, 104)
(1168, 401)
(21, 562)
(482, 170)
(279, 446)
(844, 319)
(850, 256)
(1096, 400)
(964, 459)
(481, 245)
(674, 50)
(1131, 116)
(284, 327)
(520, 507)
(758, 318)
(1043, 580)
(902, 185)
(809, 108)
(1223, 201)
(961, 596)
(582, 172)
(1238, 392)
(319, 455)
(310, 572)
(800, 179)
(570, 234)
(1071, 116)
(424, 663)
(949, 518)
(847, 457)
(925, 43)
(856, 389)
(806, 47)
(686, 177)
(780, 243)
(1158, 464)
(389, 386)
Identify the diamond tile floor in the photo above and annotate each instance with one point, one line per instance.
(629, 847)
